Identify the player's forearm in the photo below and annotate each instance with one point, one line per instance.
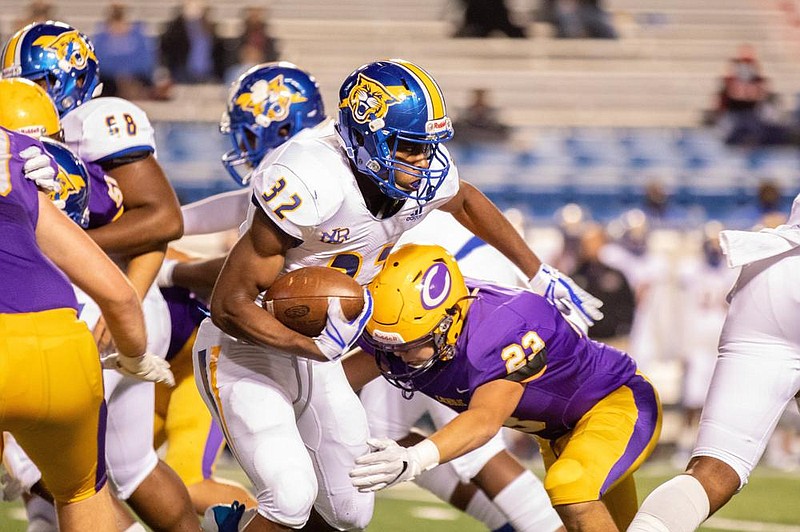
(138, 231)
(198, 276)
(247, 321)
(478, 214)
(217, 213)
(466, 432)
(143, 269)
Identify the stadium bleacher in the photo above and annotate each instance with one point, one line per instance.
(593, 119)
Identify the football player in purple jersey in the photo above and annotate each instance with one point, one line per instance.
(54, 405)
(506, 357)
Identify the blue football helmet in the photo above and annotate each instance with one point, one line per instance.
(58, 57)
(394, 104)
(268, 105)
(74, 180)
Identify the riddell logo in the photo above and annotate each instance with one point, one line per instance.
(389, 338)
(437, 126)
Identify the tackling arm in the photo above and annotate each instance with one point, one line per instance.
(389, 464)
(492, 403)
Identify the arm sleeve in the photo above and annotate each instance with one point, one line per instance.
(217, 213)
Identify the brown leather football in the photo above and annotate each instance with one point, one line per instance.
(299, 299)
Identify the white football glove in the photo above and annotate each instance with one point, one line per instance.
(146, 367)
(388, 464)
(575, 304)
(38, 169)
(339, 332)
(11, 489)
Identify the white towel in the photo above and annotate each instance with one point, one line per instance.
(746, 247)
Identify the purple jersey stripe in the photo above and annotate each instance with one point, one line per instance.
(647, 405)
(100, 474)
(213, 445)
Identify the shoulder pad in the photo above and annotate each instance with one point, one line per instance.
(298, 190)
(108, 128)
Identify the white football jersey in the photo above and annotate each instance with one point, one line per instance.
(476, 258)
(306, 187)
(104, 128)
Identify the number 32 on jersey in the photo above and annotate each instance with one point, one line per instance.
(280, 209)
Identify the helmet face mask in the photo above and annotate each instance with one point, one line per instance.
(388, 111)
(267, 105)
(420, 301)
(59, 58)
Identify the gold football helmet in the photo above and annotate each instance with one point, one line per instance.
(25, 107)
(420, 298)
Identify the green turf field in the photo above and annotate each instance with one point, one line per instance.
(768, 504)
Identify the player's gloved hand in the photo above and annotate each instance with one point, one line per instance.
(146, 367)
(388, 464)
(339, 332)
(576, 304)
(38, 169)
(10, 488)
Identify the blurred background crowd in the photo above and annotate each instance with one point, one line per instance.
(620, 135)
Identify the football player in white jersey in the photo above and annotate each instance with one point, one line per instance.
(116, 135)
(756, 376)
(254, 131)
(338, 198)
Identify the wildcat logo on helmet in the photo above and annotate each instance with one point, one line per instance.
(70, 49)
(269, 101)
(70, 184)
(369, 99)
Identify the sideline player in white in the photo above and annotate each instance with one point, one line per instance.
(338, 198)
(293, 104)
(704, 280)
(757, 375)
(115, 136)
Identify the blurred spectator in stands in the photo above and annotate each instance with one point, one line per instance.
(478, 122)
(483, 17)
(256, 34)
(571, 220)
(647, 273)
(767, 207)
(578, 19)
(606, 283)
(127, 55)
(254, 46)
(38, 11)
(776, 123)
(742, 92)
(660, 208)
(190, 46)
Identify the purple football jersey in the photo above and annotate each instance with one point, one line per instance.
(185, 312)
(105, 197)
(518, 335)
(31, 282)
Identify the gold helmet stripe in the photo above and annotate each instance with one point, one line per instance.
(433, 94)
(11, 53)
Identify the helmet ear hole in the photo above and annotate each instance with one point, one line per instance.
(358, 137)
